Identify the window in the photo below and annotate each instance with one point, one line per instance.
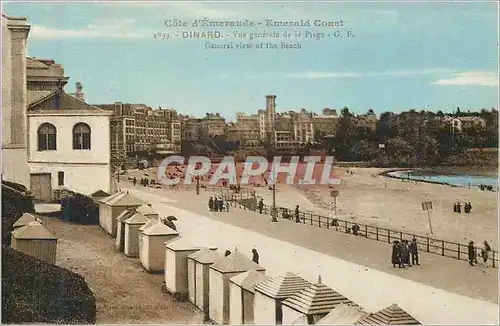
(60, 178)
(81, 136)
(47, 137)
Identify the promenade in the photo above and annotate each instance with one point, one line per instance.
(442, 290)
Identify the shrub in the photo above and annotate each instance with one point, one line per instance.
(16, 186)
(80, 209)
(14, 204)
(34, 291)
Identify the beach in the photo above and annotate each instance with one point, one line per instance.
(369, 198)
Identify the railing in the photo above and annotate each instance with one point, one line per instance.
(430, 245)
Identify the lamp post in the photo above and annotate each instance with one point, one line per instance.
(274, 210)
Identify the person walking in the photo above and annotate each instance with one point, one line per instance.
(395, 254)
(297, 214)
(211, 204)
(221, 204)
(414, 252)
(401, 254)
(459, 207)
(355, 229)
(486, 251)
(134, 181)
(471, 251)
(227, 206)
(261, 205)
(406, 253)
(255, 256)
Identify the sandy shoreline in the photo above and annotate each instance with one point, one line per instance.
(368, 198)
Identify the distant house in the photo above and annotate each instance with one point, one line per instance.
(459, 124)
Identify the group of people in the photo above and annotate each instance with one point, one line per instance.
(144, 181)
(472, 255)
(405, 252)
(255, 255)
(218, 205)
(457, 207)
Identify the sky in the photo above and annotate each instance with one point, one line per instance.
(398, 56)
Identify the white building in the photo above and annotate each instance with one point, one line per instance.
(68, 139)
(68, 145)
(14, 130)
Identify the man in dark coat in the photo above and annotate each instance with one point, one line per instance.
(459, 208)
(211, 203)
(400, 252)
(414, 252)
(134, 181)
(255, 256)
(297, 214)
(261, 205)
(395, 254)
(471, 251)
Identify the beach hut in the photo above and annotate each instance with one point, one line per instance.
(152, 246)
(120, 228)
(110, 207)
(148, 224)
(25, 219)
(343, 314)
(35, 240)
(176, 269)
(219, 274)
(392, 315)
(147, 211)
(131, 236)
(98, 195)
(241, 294)
(269, 295)
(198, 282)
(313, 303)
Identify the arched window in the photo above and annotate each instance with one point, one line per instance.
(81, 136)
(47, 137)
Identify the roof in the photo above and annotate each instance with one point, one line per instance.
(206, 256)
(282, 287)
(25, 219)
(343, 314)
(137, 218)
(249, 279)
(145, 209)
(126, 214)
(316, 299)
(32, 63)
(65, 104)
(124, 199)
(100, 193)
(159, 228)
(234, 263)
(105, 199)
(147, 225)
(392, 315)
(33, 230)
(181, 244)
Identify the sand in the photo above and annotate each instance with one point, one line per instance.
(364, 198)
(125, 293)
(371, 288)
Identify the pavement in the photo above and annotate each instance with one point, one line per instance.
(440, 291)
(47, 208)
